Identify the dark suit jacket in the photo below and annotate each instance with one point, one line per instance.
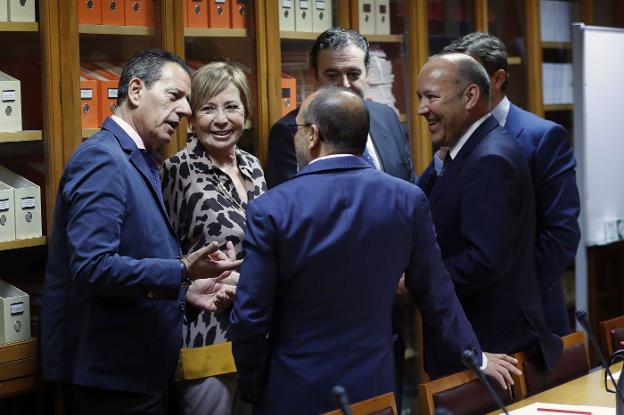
(323, 255)
(547, 150)
(484, 215)
(385, 131)
(111, 314)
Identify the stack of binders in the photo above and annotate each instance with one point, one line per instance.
(216, 14)
(20, 207)
(305, 15)
(17, 10)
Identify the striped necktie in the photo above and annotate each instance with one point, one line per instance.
(155, 172)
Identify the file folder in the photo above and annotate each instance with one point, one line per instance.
(197, 13)
(107, 89)
(367, 17)
(10, 104)
(287, 15)
(21, 10)
(382, 17)
(321, 15)
(4, 11)
(89, 11)
(14, 314)
(140, 12)
(219, 17)
(89, 107)
(113, 12)
(303, 16)
(26, 202)
(7, 213)
(238, 14)
(289, 94)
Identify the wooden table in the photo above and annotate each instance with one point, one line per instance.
(586, 390)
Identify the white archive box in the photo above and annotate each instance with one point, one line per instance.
(27, 202)
(4, 11)
(321, 15)
(10, 103)
(7, 213)
(21, 10)
(382, 17)
(367, 17)
(303, 15)
(14, 314)
(287, 15)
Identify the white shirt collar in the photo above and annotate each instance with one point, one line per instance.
(501, 110)
(130, 131)
(331, 156)
(460, 143)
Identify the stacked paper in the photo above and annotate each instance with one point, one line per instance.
(556, 19)
(557, 83)
(380, 79)
(559, 409)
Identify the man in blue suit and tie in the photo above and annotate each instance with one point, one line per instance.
(547, 150)
(484, 214)
(324, 252)
(113, 301)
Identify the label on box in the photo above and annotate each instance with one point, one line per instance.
(287, 3)
(17, 309)
(8, 95)
(28, 203)
(86, 93)
(320, 4)
(303, 4)
(112, 92)
(4, 205)
(219, 1)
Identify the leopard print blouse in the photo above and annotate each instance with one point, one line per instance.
(204, 206)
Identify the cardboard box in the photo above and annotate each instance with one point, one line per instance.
(21, 10)
(239, 13)
(287, 15)
(7, 213)
(14, 314)
(113, 12)
(321, 15)
(4, 11)
(367, 17)
(89, 102)
(26, 202)
(219, 17)
(382, 17)
(196, 13)
(108, 84)
(89, 11)
(289, 94)
(10, 103)
(303, 15)
(140, 12)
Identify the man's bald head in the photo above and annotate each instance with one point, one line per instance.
(466, 70)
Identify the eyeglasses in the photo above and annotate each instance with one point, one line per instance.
(293, 127)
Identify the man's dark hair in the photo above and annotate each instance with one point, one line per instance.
(341, 117)
(337, 38)
(485, 48)
(146, 65)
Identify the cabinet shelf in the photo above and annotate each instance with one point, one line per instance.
(19, 136)
(557, 45)
(385, 38)
(95, 29)
(19, 26)
(558, 107)
(514, 60)
(210, 32)
(23, 243)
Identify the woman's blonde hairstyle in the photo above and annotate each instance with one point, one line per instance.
(211, 79)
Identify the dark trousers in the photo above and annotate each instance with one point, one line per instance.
(84, 400)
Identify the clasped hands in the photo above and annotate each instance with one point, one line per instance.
(213, 276)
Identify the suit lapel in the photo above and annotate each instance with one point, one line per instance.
(453, 169)
(376, 132)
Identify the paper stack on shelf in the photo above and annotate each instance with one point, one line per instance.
(556, 20)
(295, 63)
(557, 83)
(380, 79)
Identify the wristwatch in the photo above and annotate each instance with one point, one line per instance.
(186, 280)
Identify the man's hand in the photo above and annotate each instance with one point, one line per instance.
(210, 294)
(403, 295)
(209, 262)
(500, 367)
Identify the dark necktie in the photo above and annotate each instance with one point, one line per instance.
(368, 158)
(155, 172)
(445, 163)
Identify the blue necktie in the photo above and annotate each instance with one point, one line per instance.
(445, 163)
(367, 157)
(153, 166)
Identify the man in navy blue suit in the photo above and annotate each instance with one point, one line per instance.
(484, 214)
(340, 57)
(324, 252)
(113, 300)
(547, 150)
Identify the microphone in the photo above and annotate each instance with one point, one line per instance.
(442, 411)
(469, 360)
(581, 317)
(340, 395)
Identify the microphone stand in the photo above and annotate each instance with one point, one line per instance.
(469, 360)
(340, 395)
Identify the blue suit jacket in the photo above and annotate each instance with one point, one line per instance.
(484, 215)
(323, 255)
(385, 131)
(111, 313)
(547, 150)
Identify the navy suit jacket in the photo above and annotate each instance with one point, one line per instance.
(385, 131)
(323, 255)
(547, 149)
(112, 304)
(484, 215)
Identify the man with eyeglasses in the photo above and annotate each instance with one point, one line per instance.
(340, 57)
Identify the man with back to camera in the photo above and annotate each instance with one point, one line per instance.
(551, 161)
(484, 214)
(323, 255)
(113, 300)
(340, 57)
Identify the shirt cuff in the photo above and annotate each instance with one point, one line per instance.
(484, 361)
